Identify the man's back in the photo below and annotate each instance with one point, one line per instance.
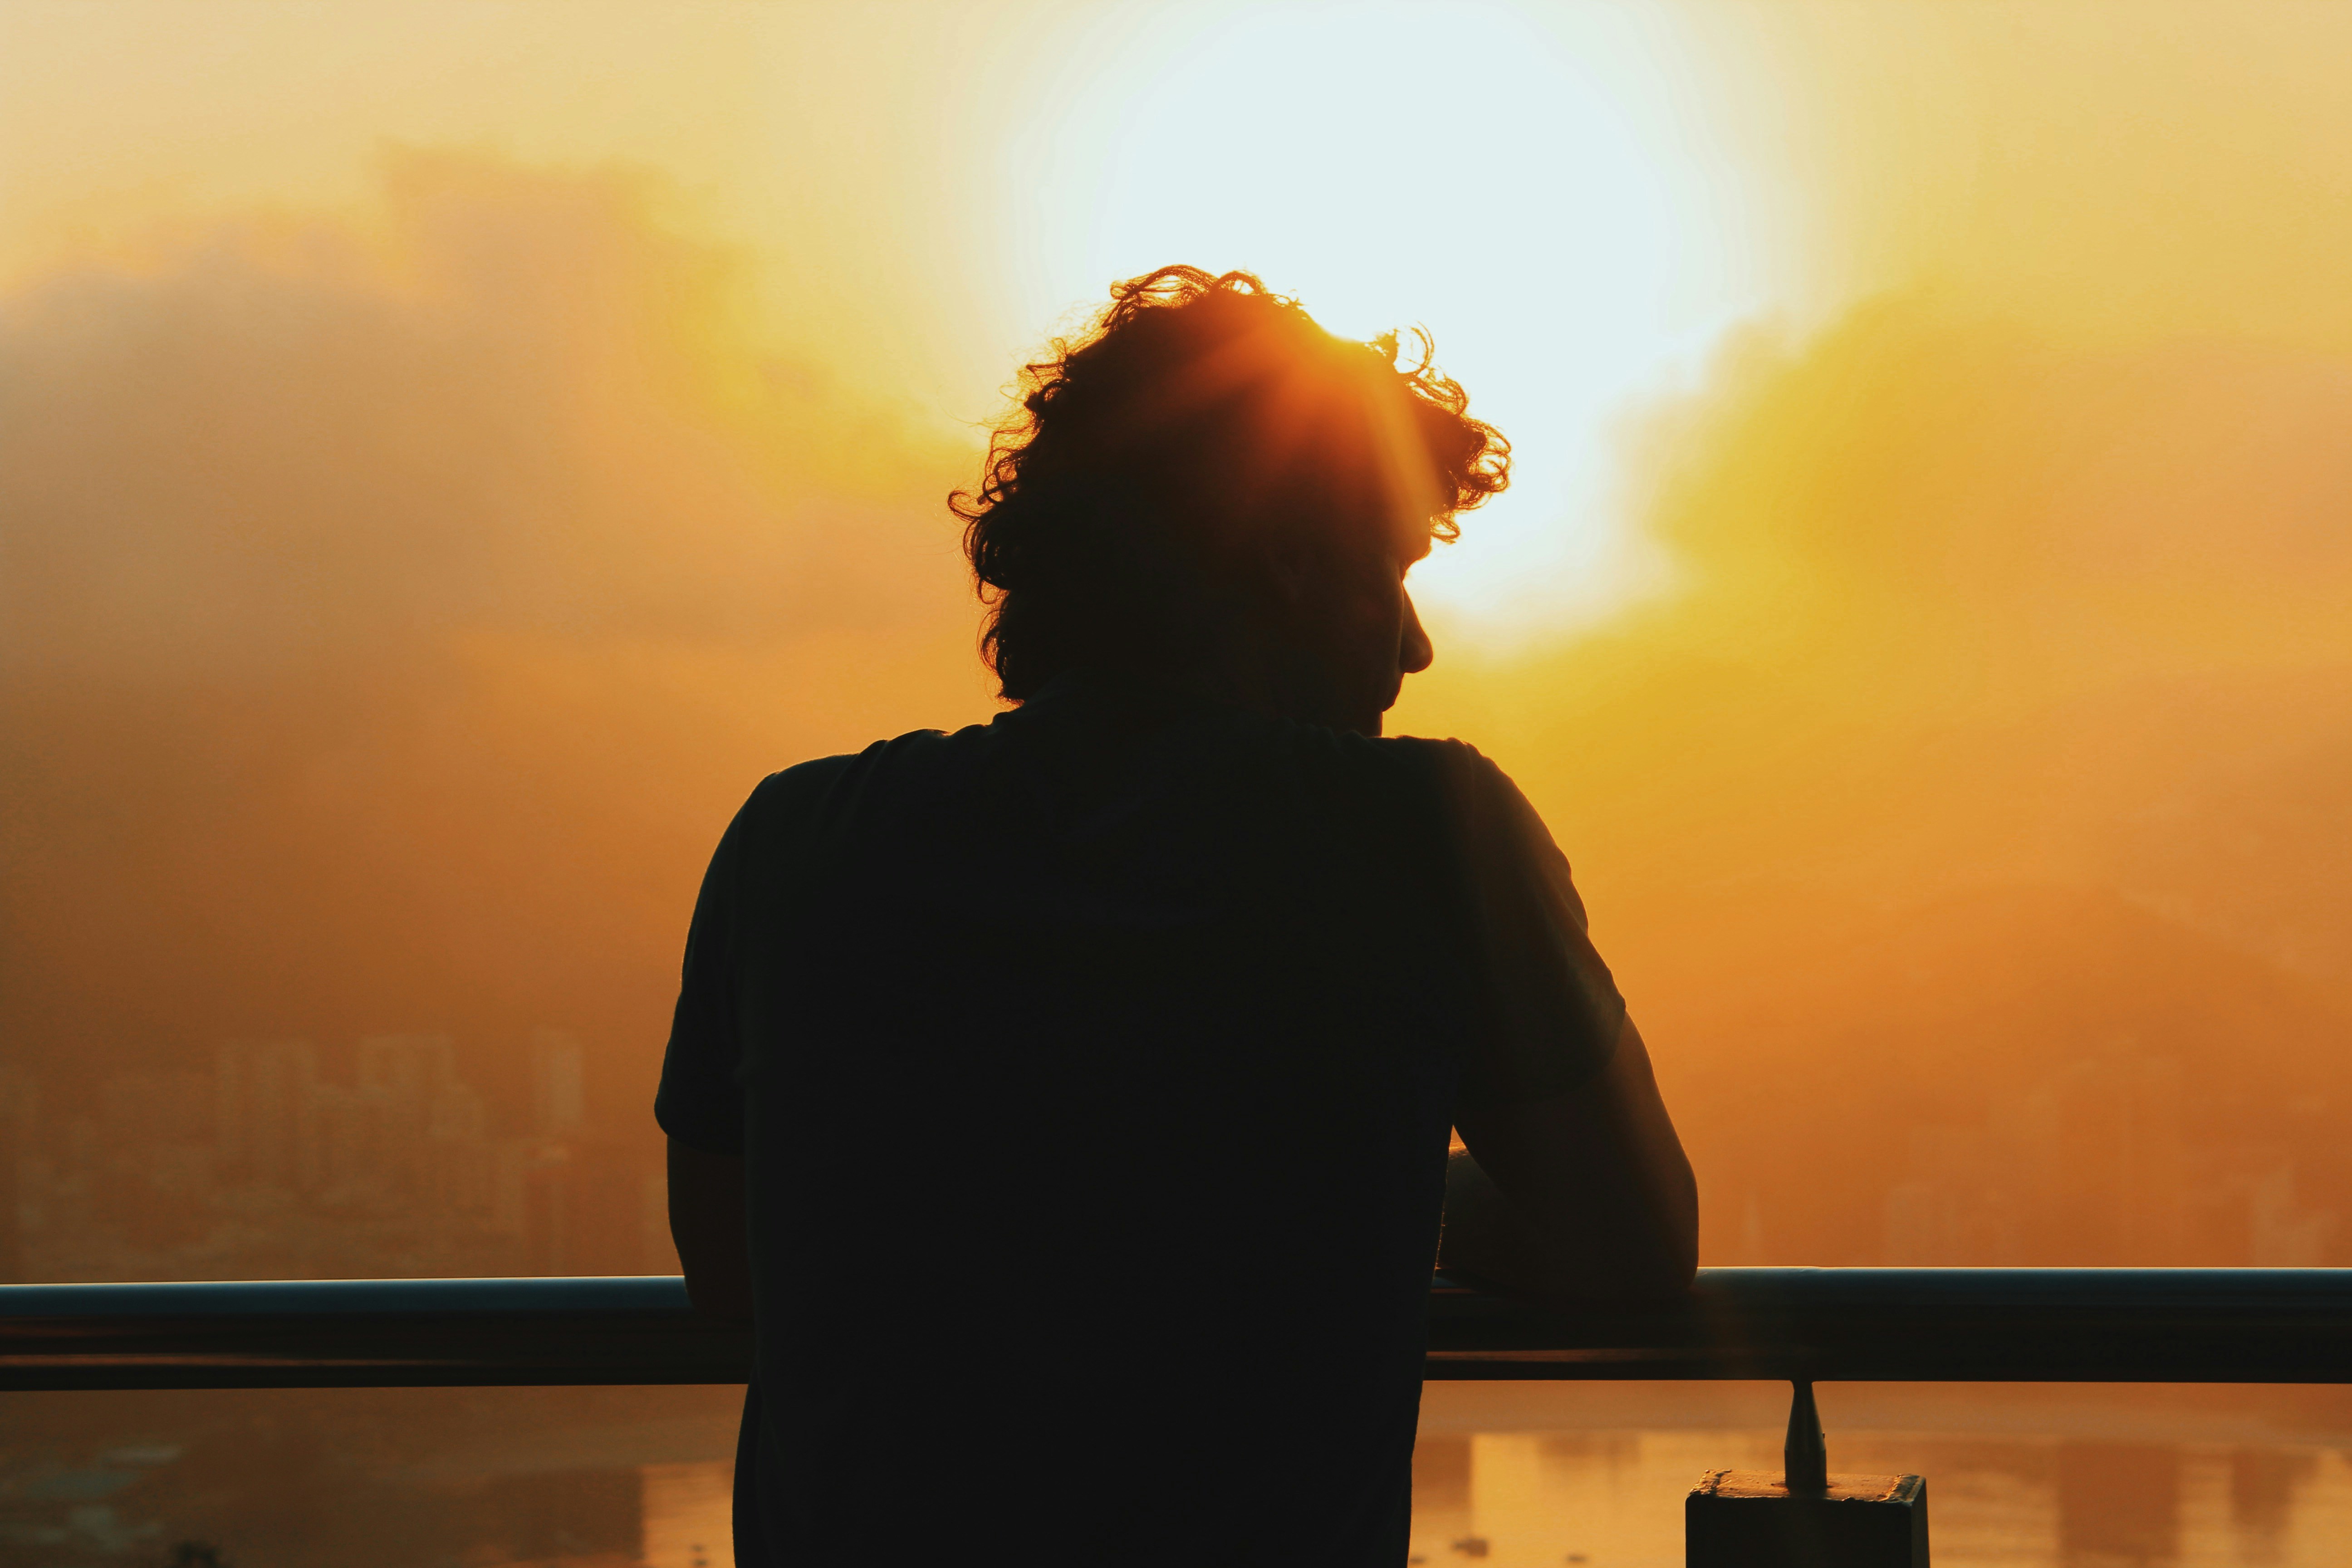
(1066, 1099)
(1097, 1066)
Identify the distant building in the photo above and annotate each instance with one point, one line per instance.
(583, 1210)
(267, 1167)
(399, 1078)
(2089, 1166)
(559, 1084)
(262, 1096)
(2123, 1158)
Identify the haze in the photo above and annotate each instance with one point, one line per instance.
(448, 455)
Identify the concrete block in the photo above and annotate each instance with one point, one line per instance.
(1748, 1519)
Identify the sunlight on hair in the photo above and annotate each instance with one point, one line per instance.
(1527, 186)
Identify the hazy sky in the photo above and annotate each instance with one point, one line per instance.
(448, 452)
(1560, 193)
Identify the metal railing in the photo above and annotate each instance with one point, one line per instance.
(2137, 1325)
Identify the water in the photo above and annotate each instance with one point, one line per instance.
(1512, 1476)
(1517, 1500)
(1612, 1500)
(688, 1515)
(1506, 1474)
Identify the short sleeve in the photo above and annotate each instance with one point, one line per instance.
(701, 1101)
(1546, 1014)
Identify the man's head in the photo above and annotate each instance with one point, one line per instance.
(1208, 489)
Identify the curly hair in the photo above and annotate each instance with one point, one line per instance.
(1195, 417)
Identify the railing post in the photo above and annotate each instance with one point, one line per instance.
(1805, 1452)
(1804, 1517)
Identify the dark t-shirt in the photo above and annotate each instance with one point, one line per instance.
(1093, 1070)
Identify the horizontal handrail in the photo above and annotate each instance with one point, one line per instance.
(1930, 1325)
(2138, 1325)
(364, 1334)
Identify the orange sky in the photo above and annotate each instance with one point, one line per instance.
(448, 452)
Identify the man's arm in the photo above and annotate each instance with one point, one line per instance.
(707, 1220)
(1585, 1196)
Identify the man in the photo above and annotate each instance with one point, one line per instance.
(1066, 1099)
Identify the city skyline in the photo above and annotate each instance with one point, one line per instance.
(270, 1165)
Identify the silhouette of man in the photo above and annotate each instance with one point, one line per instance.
(1066, 1099)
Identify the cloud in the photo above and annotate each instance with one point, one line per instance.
(1991, 748)
(1928, 523)
(519, 406)
(391, 611)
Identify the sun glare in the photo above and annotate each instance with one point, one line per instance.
(1523, 184)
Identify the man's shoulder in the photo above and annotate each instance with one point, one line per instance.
(809, 781)
(1422, 751)
(800, 785)
(1417, 761)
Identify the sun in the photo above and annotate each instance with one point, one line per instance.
(1516, 181)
